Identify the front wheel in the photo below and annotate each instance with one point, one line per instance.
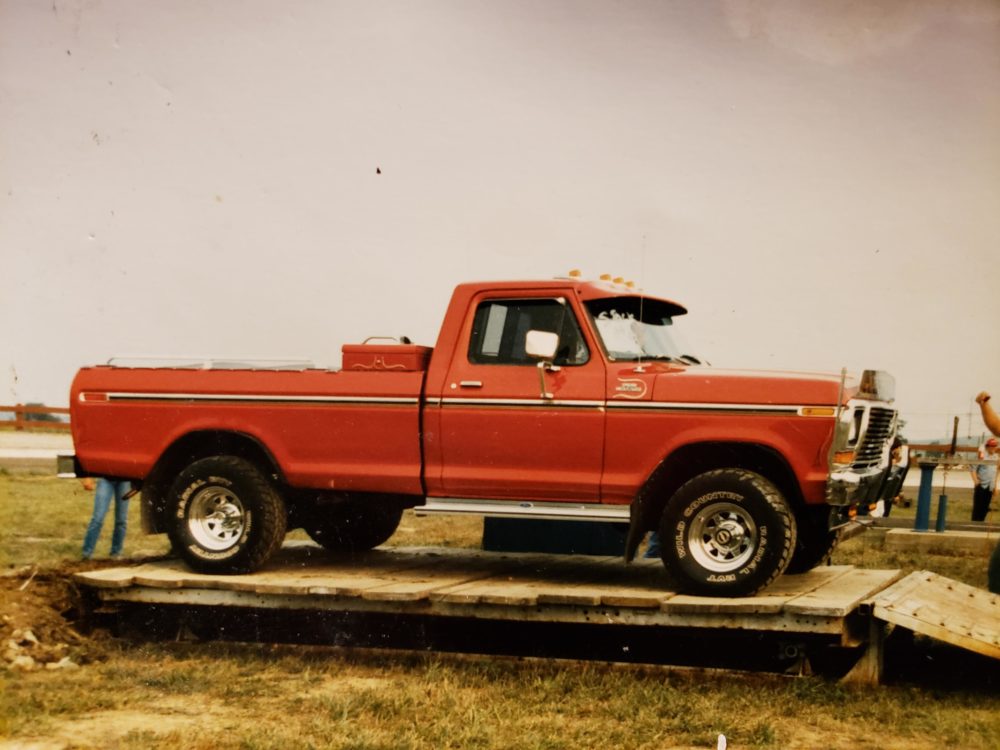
(727, 532)
(225, 516)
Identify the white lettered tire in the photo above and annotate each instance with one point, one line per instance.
(225, 516)
(727, 532)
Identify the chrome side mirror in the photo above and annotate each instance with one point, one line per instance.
(541, 345)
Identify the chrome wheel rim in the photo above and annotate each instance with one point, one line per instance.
(722, 537)
(216, 518)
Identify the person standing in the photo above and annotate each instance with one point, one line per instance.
(992, 421)
(984, 477)
(107, 489)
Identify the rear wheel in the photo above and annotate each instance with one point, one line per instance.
(225, 516)
(354, 525)
(727, 532)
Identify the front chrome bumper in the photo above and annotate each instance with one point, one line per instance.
(852, 487)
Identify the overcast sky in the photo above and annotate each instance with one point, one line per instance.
(819, 183)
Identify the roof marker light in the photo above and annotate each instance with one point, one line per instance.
(575, 273)
(605, 277)
(619, 280)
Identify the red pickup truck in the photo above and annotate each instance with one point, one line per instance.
(557, 399)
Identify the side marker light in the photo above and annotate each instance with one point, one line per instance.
(843, 457)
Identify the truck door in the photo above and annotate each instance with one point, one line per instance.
(506, 432)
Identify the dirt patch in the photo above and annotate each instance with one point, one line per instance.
(343, 685)
(39, 611)
(109, 728)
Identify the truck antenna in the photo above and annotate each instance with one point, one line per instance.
(642, 298)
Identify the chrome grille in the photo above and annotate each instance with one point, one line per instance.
(872, 447)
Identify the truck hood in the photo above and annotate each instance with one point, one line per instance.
(763, 387)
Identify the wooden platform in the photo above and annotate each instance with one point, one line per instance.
(440, 590)
(505, 586)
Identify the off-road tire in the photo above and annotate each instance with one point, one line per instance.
(814, 541)
(354, 526)
(225, 516)
(727, 532)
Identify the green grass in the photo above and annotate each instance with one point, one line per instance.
(324, 698)
(43, 519)
(227, 695)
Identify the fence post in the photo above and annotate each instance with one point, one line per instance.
(18, 417)
(923, 519)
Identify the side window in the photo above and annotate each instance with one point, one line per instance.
(500, 328)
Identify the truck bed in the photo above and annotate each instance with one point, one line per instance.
(354, 429)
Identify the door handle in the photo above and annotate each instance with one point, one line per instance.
(471, 383)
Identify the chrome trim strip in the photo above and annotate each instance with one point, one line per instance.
(691, 406)
(521, 402)
(484, 402)
(252, 398)
(524, 509)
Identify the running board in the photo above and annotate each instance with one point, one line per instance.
(524, 509)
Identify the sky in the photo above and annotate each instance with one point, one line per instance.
(818, 183)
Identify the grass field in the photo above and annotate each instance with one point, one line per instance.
(218, 695)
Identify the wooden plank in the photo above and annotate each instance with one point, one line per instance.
(513, 580)
(771, 601)
(530, 579)
(444, 573)
(843, 594)
(298, 570)
(353, 583)
(640, 585)
(944, 609)
(110, 578)
(868, 669)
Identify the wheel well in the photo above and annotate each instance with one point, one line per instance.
(190, 448)
(688, 462)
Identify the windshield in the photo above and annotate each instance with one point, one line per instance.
(632, 329)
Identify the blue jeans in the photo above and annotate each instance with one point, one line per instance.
(106, 490)
(653, 550)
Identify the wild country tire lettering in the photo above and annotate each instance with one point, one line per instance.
(720, 495)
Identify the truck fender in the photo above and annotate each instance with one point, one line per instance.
(692, 459)
(189, 448)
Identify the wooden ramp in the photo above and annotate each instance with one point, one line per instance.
(943, 609)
